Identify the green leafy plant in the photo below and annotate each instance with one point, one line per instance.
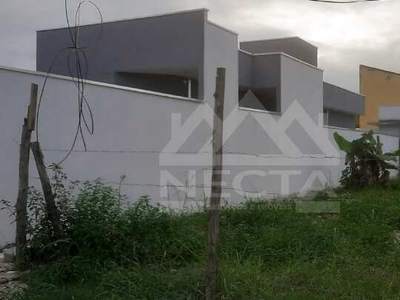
(366, 164)
(41, 244)
(97, 227)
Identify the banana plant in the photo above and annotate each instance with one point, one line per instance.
(366, 164)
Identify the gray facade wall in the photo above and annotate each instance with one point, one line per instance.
(260, 73)
(293, 46)
(170, 44)
(339, 99)
(221, 51)
(267, 71)
(306, 89)
(245, 69)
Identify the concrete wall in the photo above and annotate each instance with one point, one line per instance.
(390, 129)
(221, 51)
(137, 124)
(339, 99)
(292, 46)
(170, 44)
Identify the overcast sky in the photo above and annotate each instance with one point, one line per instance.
(347, 34)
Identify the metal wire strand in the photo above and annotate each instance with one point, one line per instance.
(78, 58)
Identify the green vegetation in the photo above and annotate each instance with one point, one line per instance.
(366, 164)
(147, 252)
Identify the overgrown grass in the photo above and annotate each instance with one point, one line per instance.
(148, 253)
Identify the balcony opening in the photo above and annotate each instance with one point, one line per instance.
(259, 98)
(161, 83)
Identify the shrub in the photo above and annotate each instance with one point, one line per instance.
(96, 226)
(366, 164)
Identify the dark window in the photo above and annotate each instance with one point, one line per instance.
(167, 84)
(259, 98)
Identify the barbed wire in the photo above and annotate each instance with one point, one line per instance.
(344, 2)
(311, 156)
(189, 186)
(306, 156)
(271, 156)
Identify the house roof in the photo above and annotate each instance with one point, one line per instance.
(279, 39)
(378, 69)
(130, 19)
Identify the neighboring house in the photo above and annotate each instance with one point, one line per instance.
(151, 89)
(166, 54)
(381, 89)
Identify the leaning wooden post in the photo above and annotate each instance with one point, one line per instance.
(212, 288)
(51, 209)
(23, 177)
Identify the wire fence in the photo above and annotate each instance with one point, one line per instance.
(307, 156)
(189, 185)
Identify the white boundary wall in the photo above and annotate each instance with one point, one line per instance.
(135, 126)
(125, 120)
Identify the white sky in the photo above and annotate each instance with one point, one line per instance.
(347, 34)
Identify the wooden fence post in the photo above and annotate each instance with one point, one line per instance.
(23, 176)
(52, 212)
(212, 288)
(398, 159)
